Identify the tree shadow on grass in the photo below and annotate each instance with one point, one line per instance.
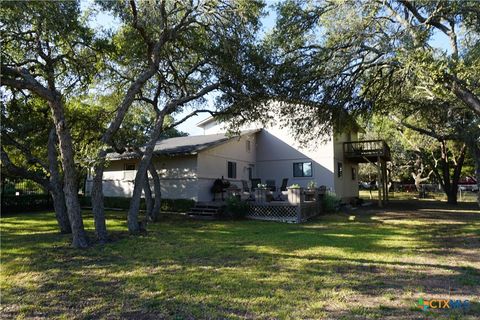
(330, 268)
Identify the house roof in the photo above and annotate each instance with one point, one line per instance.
(188, 145)
(205, 121)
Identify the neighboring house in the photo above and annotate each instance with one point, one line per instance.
(189, 165)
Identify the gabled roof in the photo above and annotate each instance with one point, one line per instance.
(188, 145)
(206, 121)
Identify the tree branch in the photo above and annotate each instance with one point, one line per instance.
(22, 172)
(27, 81)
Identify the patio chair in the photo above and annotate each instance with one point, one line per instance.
(271, 185)
(284, 184)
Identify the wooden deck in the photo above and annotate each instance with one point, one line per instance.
(366, 151)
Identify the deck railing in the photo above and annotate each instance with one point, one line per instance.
(296, 209)
(366, 148)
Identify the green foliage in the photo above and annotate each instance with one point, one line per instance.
(177, 205)
(35, 31)
(331, 203)
(168, 205)
(236, 208)
(26, 202)
(295, 186)
(337, 59)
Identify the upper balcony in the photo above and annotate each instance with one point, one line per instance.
(366, 151)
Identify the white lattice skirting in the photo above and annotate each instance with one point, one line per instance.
(283, 212)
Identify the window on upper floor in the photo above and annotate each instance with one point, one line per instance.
(231, 169)
(248, 145)
(339, 169)
(302, 169)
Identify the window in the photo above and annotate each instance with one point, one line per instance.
(339, 169)
(248, 145)
(129, 166)
(232, 170)
(302, 169)
(354, 173)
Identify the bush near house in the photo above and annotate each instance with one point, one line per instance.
(170, 205)
(236, 208)
(24, 202)
(331, 203)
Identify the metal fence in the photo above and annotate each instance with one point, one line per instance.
(21, 187)
(23, 195)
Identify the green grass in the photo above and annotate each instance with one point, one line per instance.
(465, 196)
(365, 265)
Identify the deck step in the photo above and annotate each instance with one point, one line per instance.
(206, 210)
(200, 210)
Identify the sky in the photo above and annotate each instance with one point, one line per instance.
(106, 21)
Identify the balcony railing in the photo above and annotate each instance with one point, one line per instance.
(366, 149)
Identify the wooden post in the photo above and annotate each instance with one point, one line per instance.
(261, 195)
(299, 213)
(386, 181)
(382, 168)
(380, 182)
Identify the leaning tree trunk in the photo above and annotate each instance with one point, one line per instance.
(457, 170)
(56, 190)
(97, 199)
(133, 225)
(476, 156)
(474, 147)
(129, 98)
(450, 186)
(148, 200)
(80, 239)
(60, 208)
(157, 190)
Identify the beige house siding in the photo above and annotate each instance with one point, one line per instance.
(345, 187)
(271, 156)
(277, 151)
(178, 178)
(212, 163)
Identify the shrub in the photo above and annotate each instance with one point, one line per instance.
(177, 205)
(236, 208)
(331, 203)
(173, 205)
(26, 202)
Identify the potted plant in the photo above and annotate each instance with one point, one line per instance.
(261, 193)
(311, 191)
(295, 194)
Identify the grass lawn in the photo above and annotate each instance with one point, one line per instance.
(464, 196)
(369, 263)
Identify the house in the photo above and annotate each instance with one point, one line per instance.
(189, 165)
